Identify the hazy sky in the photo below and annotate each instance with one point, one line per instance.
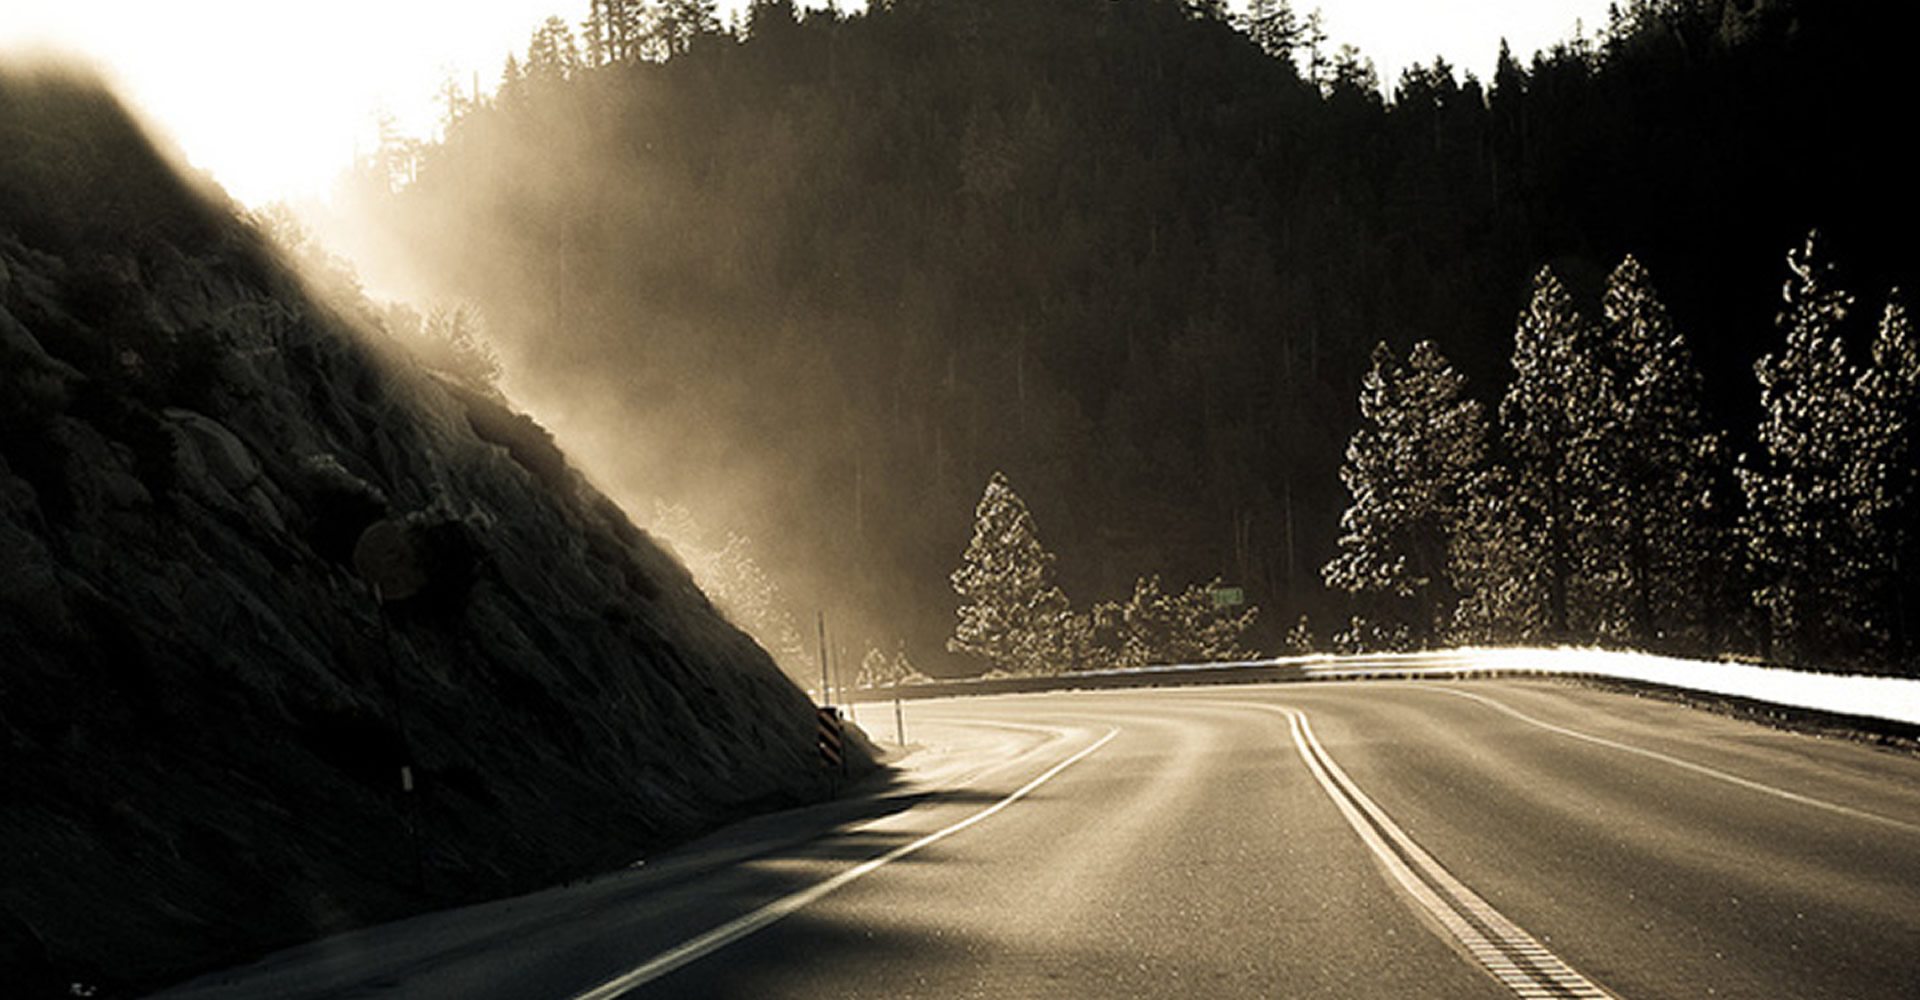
(271, 96)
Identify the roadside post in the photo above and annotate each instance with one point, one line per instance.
(829, 731)
(897, 672)
(829, 738)
(826, 682)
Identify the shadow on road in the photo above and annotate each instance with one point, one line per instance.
(608, 921)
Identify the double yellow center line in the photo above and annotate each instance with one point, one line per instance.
(1501, 947)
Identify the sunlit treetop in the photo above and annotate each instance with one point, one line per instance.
(275, 99)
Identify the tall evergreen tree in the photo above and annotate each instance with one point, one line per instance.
(1492, 564)
(1803, 549)
(552, 54)
(1273, 26)
(1884, 480)
(1011, 613)
(677, 23)
(1660, 495)
(1418, 442)
(513, 82)
(593, 34)
(615, 31)
(1551, 423)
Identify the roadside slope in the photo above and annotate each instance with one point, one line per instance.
(204, 708)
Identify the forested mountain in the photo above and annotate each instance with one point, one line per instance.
(828, 274)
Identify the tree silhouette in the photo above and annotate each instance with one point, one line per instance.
(553, 56)
(1011, 614)
(615, 31)
(1493, 564)
(677, 24)
(1273, 25)
(1406, 466)
(1551, 419)
(1884, 482)
(1799, 499)
(1660, 546)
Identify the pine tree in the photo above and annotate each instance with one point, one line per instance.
(875, 670)
(1659, 497)
(733, 579)
(1406, 465)
(1273, 26)
(1011, 614)
(1101, 635)
(1492, 564)
(594, 41)
(676, 24)
(613, 31)
(1884, 480)
(1300, 638)
(1800, 542)
(453, 340)
(513, 83)
(1149, 624)
(552, 54)
(1552, 424)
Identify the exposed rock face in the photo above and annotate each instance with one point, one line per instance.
(204, 710)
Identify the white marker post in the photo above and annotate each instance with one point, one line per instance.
(826, 683)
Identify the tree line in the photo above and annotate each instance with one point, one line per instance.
(1135, 254)
(1599, 505)
(1014, 617)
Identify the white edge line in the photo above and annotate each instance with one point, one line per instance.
(733, 930)
(1684, 764)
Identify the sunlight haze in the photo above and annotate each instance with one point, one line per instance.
(273, 99)
(869, 499)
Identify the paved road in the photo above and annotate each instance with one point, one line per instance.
(1473, 839)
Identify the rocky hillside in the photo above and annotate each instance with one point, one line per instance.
(205, 704)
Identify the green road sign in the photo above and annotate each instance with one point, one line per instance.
(1228, 597)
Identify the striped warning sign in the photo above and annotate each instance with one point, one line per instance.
(828, 736)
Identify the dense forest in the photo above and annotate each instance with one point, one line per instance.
(822, 275)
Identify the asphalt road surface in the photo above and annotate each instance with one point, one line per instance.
(1474, 839)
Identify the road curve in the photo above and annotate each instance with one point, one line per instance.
(1343, 840)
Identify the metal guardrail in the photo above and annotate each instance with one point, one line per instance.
(1892, 699)
(1266, 671)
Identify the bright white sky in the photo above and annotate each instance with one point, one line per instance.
(271, 96)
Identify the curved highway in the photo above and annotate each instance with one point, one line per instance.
(1473, 839)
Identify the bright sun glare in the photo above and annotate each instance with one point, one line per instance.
(273, 99)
